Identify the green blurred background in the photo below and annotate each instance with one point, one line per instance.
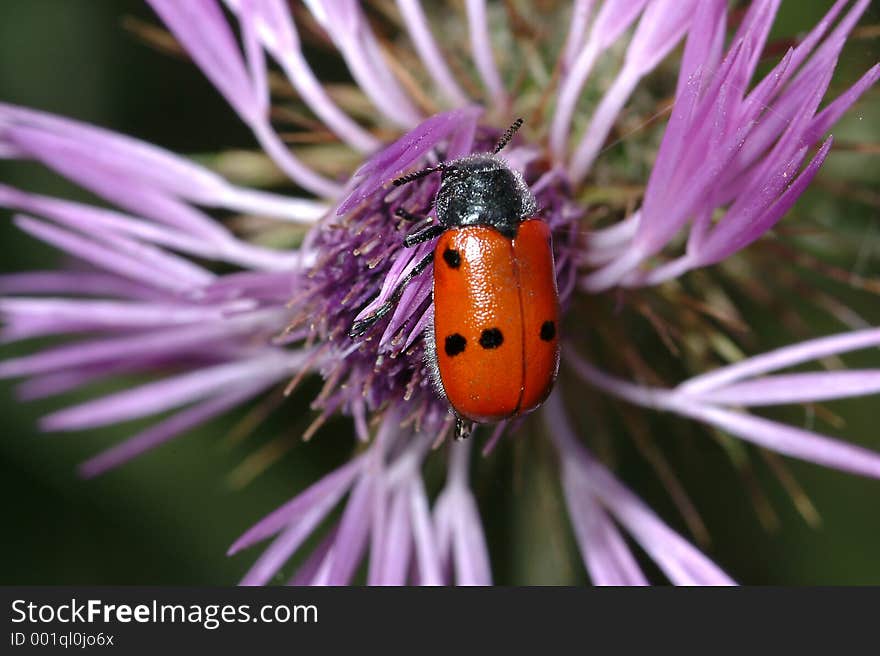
(168, 517)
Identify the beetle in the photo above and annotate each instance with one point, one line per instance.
(493, 348)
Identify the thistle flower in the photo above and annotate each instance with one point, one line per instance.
(736, 153)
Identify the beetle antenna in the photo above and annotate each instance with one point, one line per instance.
(507, 136)
(416, 175)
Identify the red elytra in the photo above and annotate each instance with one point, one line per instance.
(496, 313)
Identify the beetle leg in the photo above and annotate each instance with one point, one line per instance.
(409, 216)
(463, 428)
(359, 327)
(426, 234)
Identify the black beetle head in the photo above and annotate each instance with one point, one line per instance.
(483, 190)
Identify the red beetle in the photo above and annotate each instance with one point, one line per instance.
(494, 347)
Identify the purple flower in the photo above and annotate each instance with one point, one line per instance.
(735, 155)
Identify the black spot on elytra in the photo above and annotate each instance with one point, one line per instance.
(452, 257)
(454, 344)
(548, 331)
(491, 338)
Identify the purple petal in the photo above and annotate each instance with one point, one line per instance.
(832, 113)
(67, 156)
(125, 257)
(201, 28)
(661, 27)
(715, 150)
(270, 288)
(164, 431)
(778, 76)
(426, 547)
(177, 340)
(796, 388)
(272, 23)
(432, 58)
(97, 220)
(397, 157)
(379, 512)
(704, 45)
(44, 316)
(790, 101)
(443, 528)
(614, 17)
(326, 492)
(580, 17)
(756, 26)
(256, 63)
(54, 138)
(414, 296)
(351, 541)
(792, 138)
(784, 439)
(782, 358)
(469, 548)
(679, 560)
(311, 568)
(349, 29)
(736, 232)
(830, 49)
(107, 224)
(82, 283)
(778, 437)
(481, 50)
(461, 142)
(44, 386)
(701, 144)
(396, 545)
(418, 328)
(286, 544)
(698, 162)
(671, 148)
(608, 559)
(172, 392)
